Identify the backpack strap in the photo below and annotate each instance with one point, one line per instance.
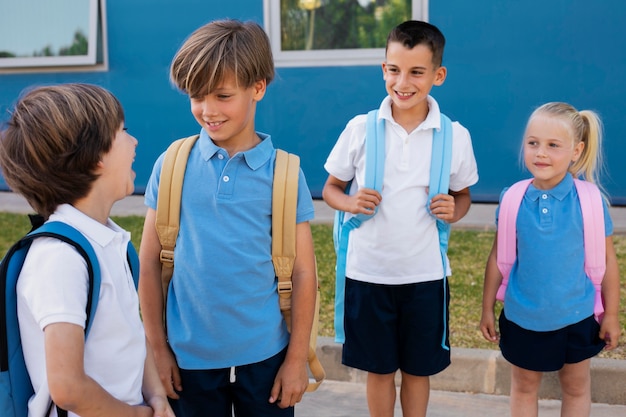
(439, 183)
(507, 232)
(592, 209)
(284, 209)
(374, 171)
(12, 358)
(168, 204)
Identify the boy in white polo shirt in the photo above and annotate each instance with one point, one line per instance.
(66, 150)
(395, 294)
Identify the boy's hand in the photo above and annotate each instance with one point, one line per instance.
(442, 206)
(169, 373)
(488, 326)
(289, 385)
(364, 201)
(160, 407)
(610, 331)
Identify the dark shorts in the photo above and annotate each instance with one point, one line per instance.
(549, 351)
(210, 392)
(391, 327)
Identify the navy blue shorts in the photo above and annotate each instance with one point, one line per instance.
(391, 327)
(549, 351)
(210, 392)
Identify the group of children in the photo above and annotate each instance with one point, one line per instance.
(219, 345)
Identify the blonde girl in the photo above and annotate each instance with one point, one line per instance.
(547, 322)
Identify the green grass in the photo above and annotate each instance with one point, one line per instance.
(468, 252)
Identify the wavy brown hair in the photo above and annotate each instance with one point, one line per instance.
(53, 141)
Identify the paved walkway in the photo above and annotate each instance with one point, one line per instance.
(481, 372)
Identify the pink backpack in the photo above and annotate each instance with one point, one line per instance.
(593, 230)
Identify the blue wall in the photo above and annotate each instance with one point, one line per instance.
(503, 59)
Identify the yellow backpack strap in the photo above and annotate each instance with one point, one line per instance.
(284, 205)
(168, 203)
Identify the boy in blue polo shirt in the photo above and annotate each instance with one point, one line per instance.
(395, 294)
(226, 346)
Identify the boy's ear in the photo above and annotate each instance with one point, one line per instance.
(440, 75)
(259, 89)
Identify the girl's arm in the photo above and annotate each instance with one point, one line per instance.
(610, 329)
(292, 378)
(364, 201)
(72, 389)
(493, 279)
(152, 306)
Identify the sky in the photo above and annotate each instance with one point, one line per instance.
(30, 25)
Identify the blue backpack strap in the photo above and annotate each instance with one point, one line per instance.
(70, 235)
(439, 183)
(133, 262)
(374, 171)
(15, 380)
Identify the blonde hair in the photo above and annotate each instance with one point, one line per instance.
(218, 49)
(585, 126)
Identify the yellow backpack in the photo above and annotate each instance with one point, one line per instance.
(284, 202)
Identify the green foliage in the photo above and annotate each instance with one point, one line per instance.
(340, 24)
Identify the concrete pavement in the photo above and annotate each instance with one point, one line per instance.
(475, 385)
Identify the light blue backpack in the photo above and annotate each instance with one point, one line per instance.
(441, 158)
(15, 385)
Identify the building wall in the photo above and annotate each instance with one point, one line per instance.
(503, 60)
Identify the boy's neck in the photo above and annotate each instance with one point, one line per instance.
(240, 145)
(410, 118)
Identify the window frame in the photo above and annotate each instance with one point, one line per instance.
(95, 60)
(325, 57)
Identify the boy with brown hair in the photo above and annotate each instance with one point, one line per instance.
(66, 150)
(226, 346)
(396, 294)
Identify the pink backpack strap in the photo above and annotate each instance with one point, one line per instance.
(595, 241)
(507, 231)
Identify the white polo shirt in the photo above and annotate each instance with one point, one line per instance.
(52, 288)
(400, 244)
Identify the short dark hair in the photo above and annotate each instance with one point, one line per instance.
(220, 48)
(53, 141)
(416, 32)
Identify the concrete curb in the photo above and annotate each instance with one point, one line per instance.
(487, 372)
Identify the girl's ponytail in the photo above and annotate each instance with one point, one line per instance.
(588, 128)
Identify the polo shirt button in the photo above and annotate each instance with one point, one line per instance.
(226, 178)
(544, 211)
(220, 156)
(544, 196)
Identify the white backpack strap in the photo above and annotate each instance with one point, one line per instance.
(595, 241)
(507, 232)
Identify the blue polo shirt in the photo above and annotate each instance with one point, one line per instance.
(222, 308)
(548, 288)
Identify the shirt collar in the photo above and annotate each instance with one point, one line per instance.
(255, 157)
(560, 191)
(94, 230)
(432, 121)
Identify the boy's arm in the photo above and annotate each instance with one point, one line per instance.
(70, 388)
(152, 306)
(493, 279)
(292, 378)
(364, 201)
(451, 207)
(153, 391)
(609, 328)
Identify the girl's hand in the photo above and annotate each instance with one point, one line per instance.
(610, 331)
(488, 326)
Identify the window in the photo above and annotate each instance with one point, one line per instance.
(335, 32)
(44, 33)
